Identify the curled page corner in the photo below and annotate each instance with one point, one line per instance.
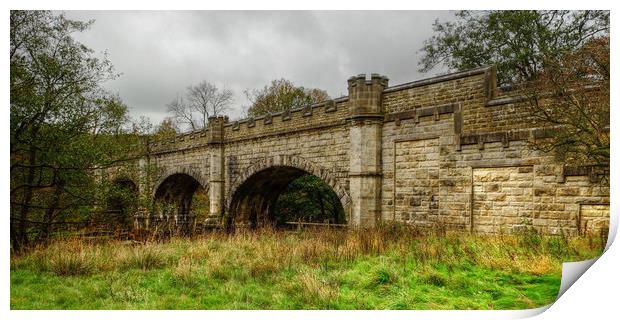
(571, 271)
(528, 313)
(613, 229)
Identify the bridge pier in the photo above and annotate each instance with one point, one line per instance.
(365, 175)
(216, 172)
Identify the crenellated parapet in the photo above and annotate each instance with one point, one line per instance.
(317, 116)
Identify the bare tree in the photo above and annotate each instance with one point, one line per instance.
(181, 113)
(202, 101)
(571, 99)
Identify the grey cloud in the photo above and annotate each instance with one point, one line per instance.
(160, 53)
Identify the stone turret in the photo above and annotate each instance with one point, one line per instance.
(365, 174)
(365, 96)
(215, 132)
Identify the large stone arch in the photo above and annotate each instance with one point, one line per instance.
(294, 162)
(193, 172)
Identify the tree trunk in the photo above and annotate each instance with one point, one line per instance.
(321, 204)
(49, 214)
(20, 236)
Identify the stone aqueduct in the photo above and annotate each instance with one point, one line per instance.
(450, 150)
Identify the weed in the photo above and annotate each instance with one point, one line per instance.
(435, 279)
(382, 276)
(315, 290)
(71, 264)
(144, 258)
(558, 246)
(529, 238)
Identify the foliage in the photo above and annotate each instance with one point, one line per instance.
(308, 198)
(200, 204)
(122, 201)
(571, 99)
(324, 269)
(517, 42)
(166, 129)
(281, 95)
(559, 60)
(64, 127)
(201, 101)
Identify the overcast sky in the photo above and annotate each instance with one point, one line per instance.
(160, 53)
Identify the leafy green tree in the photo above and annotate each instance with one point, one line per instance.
(122, 202)
(308, 198)
(166, 129)
(517, 42)
(281, 95)
(64, 126)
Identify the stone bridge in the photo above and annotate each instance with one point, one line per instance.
(450, 150)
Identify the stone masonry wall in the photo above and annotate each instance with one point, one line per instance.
(489, 180)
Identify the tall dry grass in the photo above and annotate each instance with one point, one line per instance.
(263, 252)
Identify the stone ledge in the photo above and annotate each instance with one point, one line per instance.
(438, 79)
(418, 112)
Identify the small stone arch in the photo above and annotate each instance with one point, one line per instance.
(296, 162)
(126, 179)
(120, 177)
(121, 201)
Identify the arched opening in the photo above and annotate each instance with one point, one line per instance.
(282, 196)
(181, 195)
(122, 201)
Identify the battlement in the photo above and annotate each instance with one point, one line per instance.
(365, 99)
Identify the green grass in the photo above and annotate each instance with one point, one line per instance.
(309, 270)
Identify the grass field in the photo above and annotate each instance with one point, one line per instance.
(387, 268)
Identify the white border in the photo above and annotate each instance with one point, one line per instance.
(595, 293)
